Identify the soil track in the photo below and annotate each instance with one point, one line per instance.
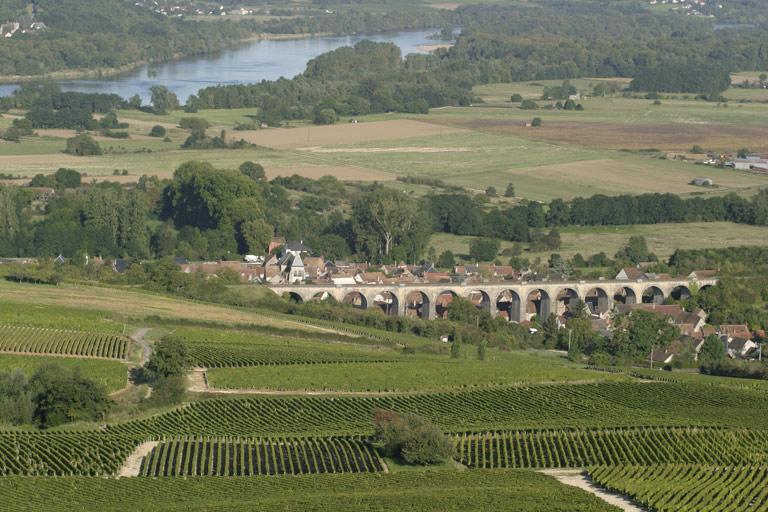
(575, 478)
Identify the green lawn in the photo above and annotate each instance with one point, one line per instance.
(110, 374)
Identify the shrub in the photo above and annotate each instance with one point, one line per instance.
(516, 98)
(157, 131)
(83, 145)
(411, 438)
(169, 359)
(529, 105)
(536, 121)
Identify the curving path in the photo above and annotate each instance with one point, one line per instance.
(577, 478)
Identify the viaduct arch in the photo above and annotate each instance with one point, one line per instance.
(513, 300)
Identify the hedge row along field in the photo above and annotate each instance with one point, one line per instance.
(578, 448)
(249, 457)
(605, 404)
(425, 491)
(35, 340)
(689, 488)
(63, 453)
(213, 348)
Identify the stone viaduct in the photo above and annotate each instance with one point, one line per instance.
(514, 300)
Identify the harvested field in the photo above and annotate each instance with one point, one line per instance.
(673, 136)
(310, 136)
(386, 150)
(610, 176)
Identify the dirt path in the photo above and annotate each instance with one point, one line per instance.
(132, 464)
(198, 381)
(577, 478)
(146, 348)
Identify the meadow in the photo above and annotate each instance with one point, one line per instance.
(662, 239)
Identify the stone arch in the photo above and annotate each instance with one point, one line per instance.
(537, 303)
(625, 295)
(597, 301)
(417, 304)
(705, 287)
(681, 292)
(566, 301)
(387, 302)
(293, 297)
(321, 296)
(442, 302)
(356, 299)
(653, 295)
(480, 299)
(508, 305)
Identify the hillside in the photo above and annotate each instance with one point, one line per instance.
(102, 34)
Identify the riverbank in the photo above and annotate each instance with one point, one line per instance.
(96, 74)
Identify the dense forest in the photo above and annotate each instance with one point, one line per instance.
(503, 43)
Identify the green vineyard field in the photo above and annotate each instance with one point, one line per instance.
(607, 404)
(63, 453)
(689, 488)
(579, 448)
(213, 348)
(35, 340)
(423, 491)
(250, 457)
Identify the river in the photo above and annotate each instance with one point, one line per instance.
(247, 63)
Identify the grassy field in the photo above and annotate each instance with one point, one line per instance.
(110, 374)
(443, 491)
(663, 239)
(500, 368)
(572, 154)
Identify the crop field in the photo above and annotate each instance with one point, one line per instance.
(662, 239)
(214, 348)
(416, 373)
(689, 488)
(33, 340)
(579, 448)
(21, 312)
(254, 457)
(609, 404)
(428, 491)
(110, 374)
(62, 453)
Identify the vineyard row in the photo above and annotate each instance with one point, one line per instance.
(34, 340)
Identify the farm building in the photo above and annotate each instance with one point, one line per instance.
(703, 182)
(750, 163)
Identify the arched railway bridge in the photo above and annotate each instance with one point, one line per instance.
(514, 300)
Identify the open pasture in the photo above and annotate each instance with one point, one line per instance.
(662, 239)
(688, 487)
(427, 491)
(416, 373)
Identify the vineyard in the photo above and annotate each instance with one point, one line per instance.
(249, 457)
(62, 453)
(608, 404)
(578, 448)
(418, 373)
(211, 348)
(424, 491)
(34, 340)
(689, 488)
